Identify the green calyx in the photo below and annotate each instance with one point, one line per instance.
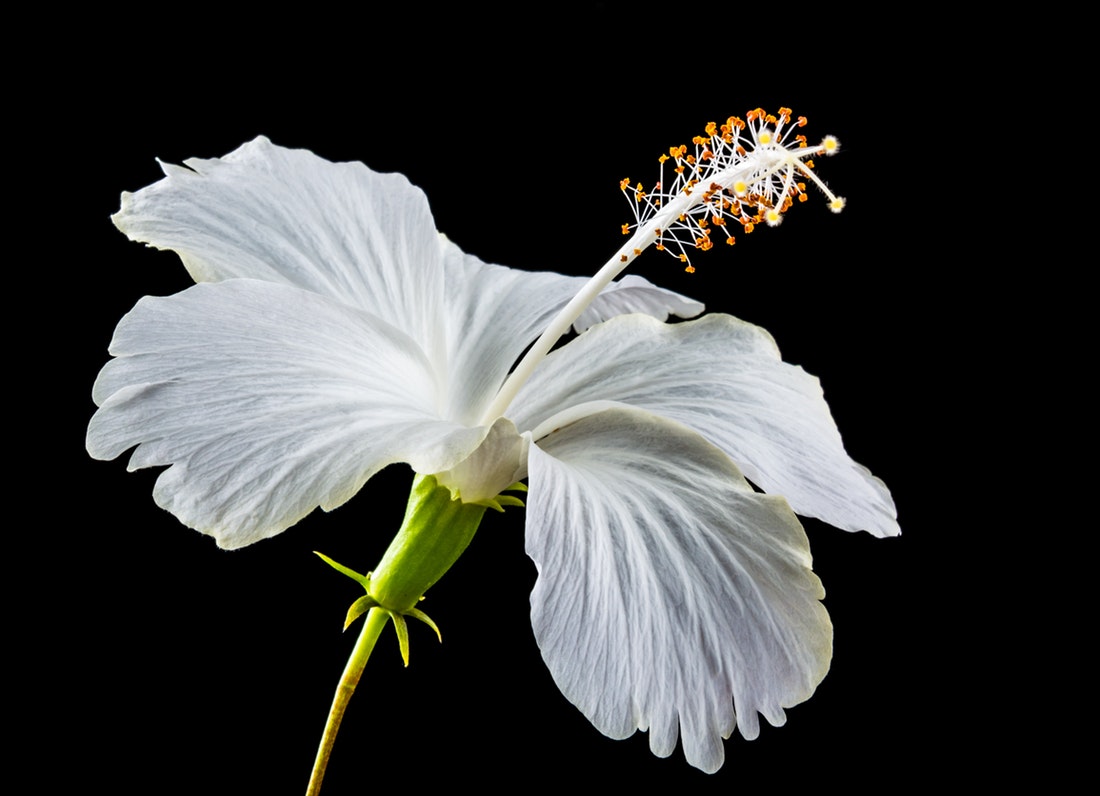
(437, 529)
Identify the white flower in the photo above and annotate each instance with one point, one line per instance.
(334, 332)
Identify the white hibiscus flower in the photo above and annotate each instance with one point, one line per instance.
(334, 331)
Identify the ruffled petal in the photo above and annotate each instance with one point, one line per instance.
(725, 379)
(670, 594)
(267, 401)
(494, 313)
(286, 215)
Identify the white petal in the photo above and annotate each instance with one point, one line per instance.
(633, 293)
(499, 462)
(286, 215)
(267, 401)
(670, 594)
(724, 378)
(494, 313)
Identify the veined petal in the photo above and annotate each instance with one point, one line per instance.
(286, 215)
(725, 379)
(634, 293)
(267, 401)
(494, 313)
(671, 596)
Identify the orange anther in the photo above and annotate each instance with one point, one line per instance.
(626, 229)
(690, 268)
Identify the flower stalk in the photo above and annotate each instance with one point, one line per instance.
(353, 671)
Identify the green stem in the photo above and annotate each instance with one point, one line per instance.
(372, 628)
(434, 533)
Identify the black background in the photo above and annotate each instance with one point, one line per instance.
(172, 663)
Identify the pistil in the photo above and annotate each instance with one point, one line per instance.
(746, 177)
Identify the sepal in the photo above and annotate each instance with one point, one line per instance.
(402, 634)
(416, 613)
(358, 608)
(362, 580)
